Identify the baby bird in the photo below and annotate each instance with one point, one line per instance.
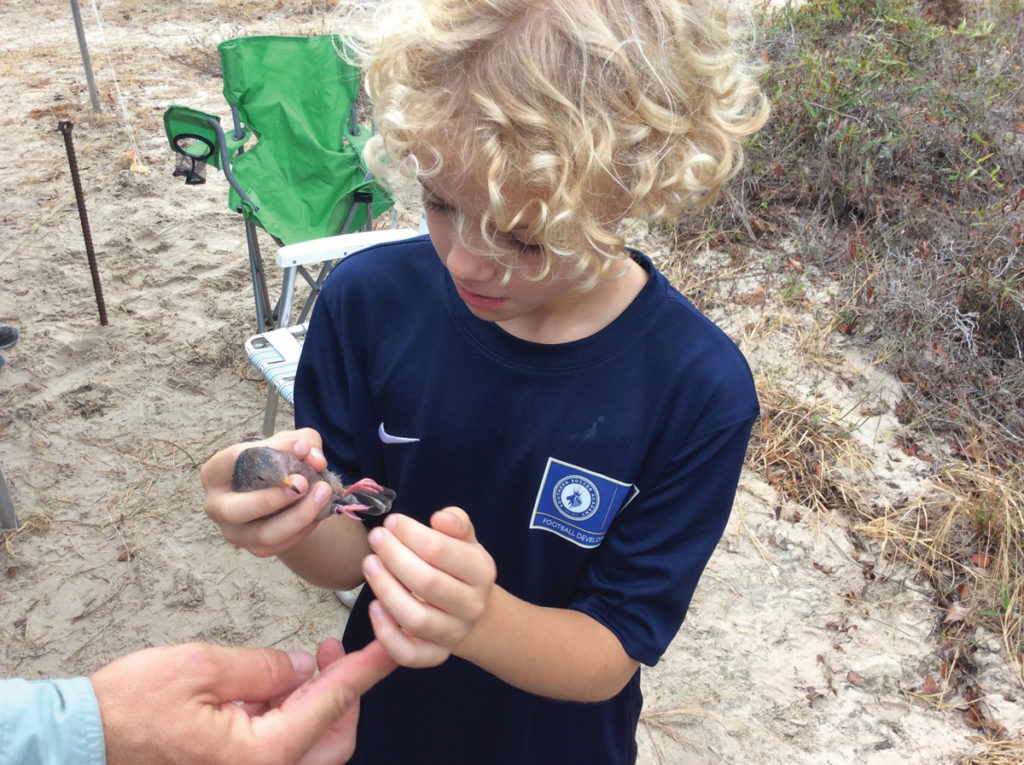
(260, 467)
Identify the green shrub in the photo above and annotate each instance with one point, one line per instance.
(900, 136)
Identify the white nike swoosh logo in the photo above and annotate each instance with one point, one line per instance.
(387, 438)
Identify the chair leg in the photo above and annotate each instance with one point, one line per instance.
(264, 319)
(270, 416)
(284, 305)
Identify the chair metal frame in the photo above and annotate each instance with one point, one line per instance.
(275, 353)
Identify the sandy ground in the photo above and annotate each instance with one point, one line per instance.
(795, 650)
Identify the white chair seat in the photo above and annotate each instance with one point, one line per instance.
(275, 353)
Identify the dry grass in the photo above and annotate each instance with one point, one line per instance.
(890, 183)
(967, 538)
(805, 453)
(996, 753)
(663, 722)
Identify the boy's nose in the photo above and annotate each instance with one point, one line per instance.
(465, 264)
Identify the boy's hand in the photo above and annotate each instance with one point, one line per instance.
(433, 585)
(241, 515)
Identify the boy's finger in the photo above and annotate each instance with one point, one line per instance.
(405, 649)
(328, 652)
(218, 469)
(408, 583)
(443, 551)
(247, 506)
(305, 444)
(453, 521)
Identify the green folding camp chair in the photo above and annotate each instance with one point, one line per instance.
(294, 156)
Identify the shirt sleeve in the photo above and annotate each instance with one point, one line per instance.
(641, 582)
(50, 722)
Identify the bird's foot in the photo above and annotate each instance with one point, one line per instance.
(365, 484)
(350, 511)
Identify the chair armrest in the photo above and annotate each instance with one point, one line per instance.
(184, 122)
(337, 247)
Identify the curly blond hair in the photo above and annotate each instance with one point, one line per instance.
(603, 109)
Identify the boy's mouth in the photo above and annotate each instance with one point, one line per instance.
(478, 301)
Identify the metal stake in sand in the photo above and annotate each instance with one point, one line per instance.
(64, 126)
(85, 55)
(8, 520)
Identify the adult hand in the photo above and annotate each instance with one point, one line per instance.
(202, 704)
(433, 585)
(242, 516)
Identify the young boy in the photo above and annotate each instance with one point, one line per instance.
(564, 430)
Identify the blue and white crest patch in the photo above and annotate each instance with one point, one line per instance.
(578, 504)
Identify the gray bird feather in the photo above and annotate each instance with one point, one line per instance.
(260, 467)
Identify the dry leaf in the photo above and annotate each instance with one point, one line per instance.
(967, 452)
(958, 612)
(930, 686)
(992, 728)
(854, 679)
(981, 560)
(751, 298)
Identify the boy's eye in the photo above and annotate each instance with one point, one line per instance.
(526, 248)
(430, 202)
(510, 240)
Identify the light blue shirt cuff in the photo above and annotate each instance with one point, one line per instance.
(50, 721)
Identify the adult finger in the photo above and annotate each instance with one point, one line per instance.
(314, 707)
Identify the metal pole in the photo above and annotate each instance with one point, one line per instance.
(85, 55)
(64, 126)
(8, 520)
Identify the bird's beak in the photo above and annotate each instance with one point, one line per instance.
(287, 482)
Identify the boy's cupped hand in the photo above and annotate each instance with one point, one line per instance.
(248, 519)
(433, 585)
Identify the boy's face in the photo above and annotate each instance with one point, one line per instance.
(521, 305)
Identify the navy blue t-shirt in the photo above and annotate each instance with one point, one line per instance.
(599, 474)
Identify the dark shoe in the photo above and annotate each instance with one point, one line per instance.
(8, 336)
